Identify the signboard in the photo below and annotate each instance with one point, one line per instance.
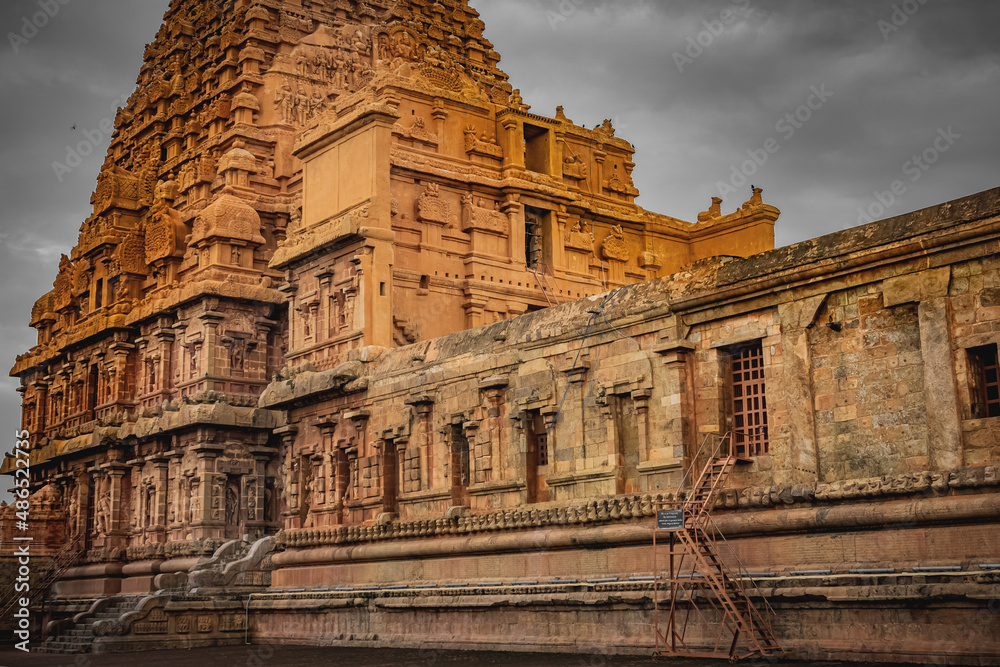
(670, 520)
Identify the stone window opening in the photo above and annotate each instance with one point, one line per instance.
(28, 411)
(461, 472)
(749, 400)
(112, 289)
(534, 239)
(390, 475)
(537, 147)
(93, 380)
(984, 382)
(536, 438)
(625, 416)
(99, 294)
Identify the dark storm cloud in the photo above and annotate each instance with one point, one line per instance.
(893, 87)
(600, 59)
(70, 72)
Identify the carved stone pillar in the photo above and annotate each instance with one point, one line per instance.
(326, 491)
(679, 408)
(289, 489)
(161, 476)
(641, 399)
(512, 141)
(550, 415)
(257, 494)
(560, 225)
(165, 337)
(600, 157)
(41, 401)
(944, 425)
(121, 390)
(798, 460)
(212, 320)
(78, 524)
(115, 500)
(424, 440)
(175, 511)
(201, 493)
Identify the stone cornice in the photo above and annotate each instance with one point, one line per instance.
(930, 489)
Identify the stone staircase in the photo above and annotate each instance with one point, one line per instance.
(76, 636)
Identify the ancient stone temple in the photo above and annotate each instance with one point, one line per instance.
(351, 329)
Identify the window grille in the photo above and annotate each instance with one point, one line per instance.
(749, 401)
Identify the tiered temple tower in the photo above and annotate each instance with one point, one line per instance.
(292, 181)
(303, 310)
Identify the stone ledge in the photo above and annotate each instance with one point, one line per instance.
(621, 518)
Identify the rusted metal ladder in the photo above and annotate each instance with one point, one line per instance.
(700, 581)
(548, 291)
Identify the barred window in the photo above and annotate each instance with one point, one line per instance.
(749, 400)
(984, 381)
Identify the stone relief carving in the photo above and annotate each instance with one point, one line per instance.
(713, 212)
(580, 238)
(615, 247)
(482, 145)
(417, 131)
(299, 103)
(165, 230)
(575, 169)
(483, 217)
(621, 186)
(431, 207)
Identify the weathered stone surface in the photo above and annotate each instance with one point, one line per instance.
(340, 287)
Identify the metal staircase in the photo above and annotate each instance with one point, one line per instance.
(66, 558)
(705, 595)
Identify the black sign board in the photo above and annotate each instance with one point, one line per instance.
(670, 520)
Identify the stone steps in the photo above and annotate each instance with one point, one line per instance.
(79, 638)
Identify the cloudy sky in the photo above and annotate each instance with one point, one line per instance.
(825, 103)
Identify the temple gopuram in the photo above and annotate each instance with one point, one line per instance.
(357, 349)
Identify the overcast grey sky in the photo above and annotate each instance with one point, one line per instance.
(698, 86)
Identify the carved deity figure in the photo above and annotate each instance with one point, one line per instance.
(74, 513)
(103, 519)
(195, 508)
(232, 506)
(252, 499)
(403, 46)
(360, 43)
(237, 355)
(302, 107)
(284, 101)
(270, 506)
(148, 499)
(151, 372)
